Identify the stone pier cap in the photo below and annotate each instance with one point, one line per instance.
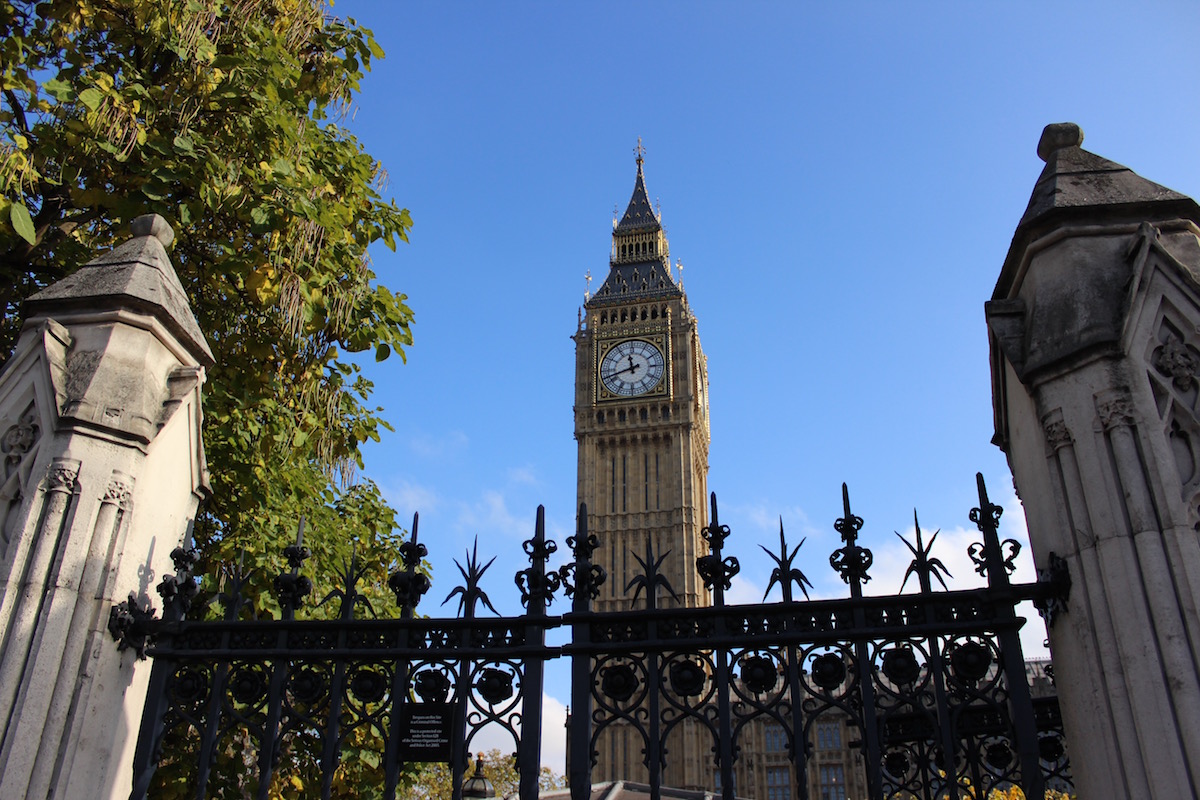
(1077, 186)
(136, 275)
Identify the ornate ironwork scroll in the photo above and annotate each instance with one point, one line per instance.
(933, 682)
(251, 691)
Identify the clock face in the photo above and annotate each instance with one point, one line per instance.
(632, 367)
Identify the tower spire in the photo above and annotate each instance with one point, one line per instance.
(640, 264)
(639, 214)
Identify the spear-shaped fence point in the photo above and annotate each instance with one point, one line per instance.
(922, 565)
(651, 578)
(784, 574)
(470, 592)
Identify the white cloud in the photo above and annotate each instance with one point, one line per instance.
(760, 519)
(524, 476)
(490, 515)
(743, 592)
(407, 497)
(554, 734)
(554, 737)
(439, 446)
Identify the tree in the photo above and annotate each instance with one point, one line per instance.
(221, 115)
(433, 781)
(224, 117)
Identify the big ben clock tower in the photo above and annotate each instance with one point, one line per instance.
(641, 412)
(641, 420)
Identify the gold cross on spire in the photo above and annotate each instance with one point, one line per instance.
(640, 150)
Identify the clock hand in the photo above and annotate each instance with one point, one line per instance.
(631, 367)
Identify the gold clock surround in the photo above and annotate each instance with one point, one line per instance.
(660, 340)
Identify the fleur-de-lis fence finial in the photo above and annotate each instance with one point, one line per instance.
(408, 583)
(851, 561)
(993, 558)
(716, 572)
(581, 579)
(291, 587)
(538, 586)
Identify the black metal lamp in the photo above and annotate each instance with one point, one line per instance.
(478, 785)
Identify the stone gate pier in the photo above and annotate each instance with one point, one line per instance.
(1095, 345)
(102, 471)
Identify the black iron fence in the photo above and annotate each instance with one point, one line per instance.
(934, 682)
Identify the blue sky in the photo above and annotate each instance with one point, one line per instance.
(841, 182)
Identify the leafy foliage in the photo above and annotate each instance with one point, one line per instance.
(221, 115)
(433, 781)
(224, 117)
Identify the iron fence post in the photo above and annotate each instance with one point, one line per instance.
(718, 577)
(410, 586)
(1020, 703)
(529, 748)
(579, 777)
(854, 564)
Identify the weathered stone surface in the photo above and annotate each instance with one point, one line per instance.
(136, 275)
(1094, 332)
(1078, 187)
(103, 467)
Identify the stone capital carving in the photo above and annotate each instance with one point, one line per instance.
(1175, 360)
(1115, 410)
(62, 476)
(119, 490)
(1057, 435)
(18, 440)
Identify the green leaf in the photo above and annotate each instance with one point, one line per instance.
(92, 98)
(184, 145)
(382, 351)
(58, 89)
(22, 223)
(376, 50)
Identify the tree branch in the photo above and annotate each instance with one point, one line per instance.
(18, 109)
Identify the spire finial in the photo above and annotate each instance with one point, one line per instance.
(641, 151)
(588, 292)
(1058, 136)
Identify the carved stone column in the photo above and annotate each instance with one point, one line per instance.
(102, 472)
(1094, 338)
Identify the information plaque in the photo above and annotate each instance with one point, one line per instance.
(425, 732)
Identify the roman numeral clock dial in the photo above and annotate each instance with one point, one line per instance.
(632, 368)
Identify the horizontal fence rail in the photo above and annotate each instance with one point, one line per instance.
(933, 682)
